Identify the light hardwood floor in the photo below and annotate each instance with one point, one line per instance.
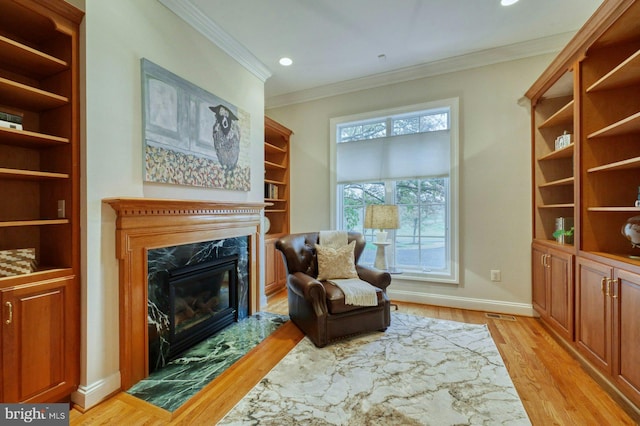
(554, 388)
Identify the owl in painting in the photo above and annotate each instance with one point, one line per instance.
(226, 136)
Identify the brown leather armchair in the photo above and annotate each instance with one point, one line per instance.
(318, 308)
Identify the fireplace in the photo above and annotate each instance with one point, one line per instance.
(148, 232)
(194, 291)
(203, 299)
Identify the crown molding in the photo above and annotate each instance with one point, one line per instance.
(540, 46)
(205, 26)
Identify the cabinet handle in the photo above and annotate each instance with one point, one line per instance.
(602, 283)
(10, 320)
(542, 260)
(613, 283)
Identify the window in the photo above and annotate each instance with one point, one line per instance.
(405, 157)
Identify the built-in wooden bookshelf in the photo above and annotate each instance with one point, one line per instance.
(276, 179)
(554, 174)
(40, 189)
(595, 181)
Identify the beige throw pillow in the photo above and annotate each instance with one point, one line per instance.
(336, 263)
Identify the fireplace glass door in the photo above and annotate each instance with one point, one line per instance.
(202, 301)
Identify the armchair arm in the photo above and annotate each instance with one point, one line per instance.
(375, 277)
(310, 289)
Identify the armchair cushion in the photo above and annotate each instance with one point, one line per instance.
(336, 263)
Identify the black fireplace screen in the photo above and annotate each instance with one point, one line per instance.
(203, 299)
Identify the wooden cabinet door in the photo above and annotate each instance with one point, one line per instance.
(626, 296)
(539, 270)
(281, 270)
(593, 316)
(560, 285)
(275, 272)
(37, 338)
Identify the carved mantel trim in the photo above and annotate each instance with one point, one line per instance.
(147, 223)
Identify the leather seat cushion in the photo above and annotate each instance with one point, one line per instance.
(335, 299)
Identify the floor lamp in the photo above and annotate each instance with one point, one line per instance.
(381, 217)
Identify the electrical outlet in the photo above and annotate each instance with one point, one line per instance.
(496, 275)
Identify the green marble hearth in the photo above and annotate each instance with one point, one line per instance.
(183, 377)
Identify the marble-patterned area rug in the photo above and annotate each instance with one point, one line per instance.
(421, 371)
(183, 377)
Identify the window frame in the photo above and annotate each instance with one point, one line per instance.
(453, 254)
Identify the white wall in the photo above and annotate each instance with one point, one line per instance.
(495, 177)
(117, 34)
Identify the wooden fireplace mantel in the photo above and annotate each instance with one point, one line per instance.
(148, 223)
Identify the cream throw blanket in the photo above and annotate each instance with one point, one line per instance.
(334, 239)
(356, 292)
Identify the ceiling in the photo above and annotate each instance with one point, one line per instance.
(335, 44)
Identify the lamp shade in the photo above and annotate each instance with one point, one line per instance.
(381, 216)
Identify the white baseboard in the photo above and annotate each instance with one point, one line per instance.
(523, 309)
(91, 395)
(263, 303)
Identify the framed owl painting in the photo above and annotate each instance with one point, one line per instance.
(192, 137)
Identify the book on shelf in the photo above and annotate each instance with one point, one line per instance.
(270, 191)
(11, 118)
(10, 125)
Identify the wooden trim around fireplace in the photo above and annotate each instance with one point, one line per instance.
(143, 224)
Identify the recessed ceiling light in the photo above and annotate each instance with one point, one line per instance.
(285, 62)
(508, 2)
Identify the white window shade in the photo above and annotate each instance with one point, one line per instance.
(394, 157)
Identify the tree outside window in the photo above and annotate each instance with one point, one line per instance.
(420, 242)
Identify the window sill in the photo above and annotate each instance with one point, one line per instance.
(399, 274)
